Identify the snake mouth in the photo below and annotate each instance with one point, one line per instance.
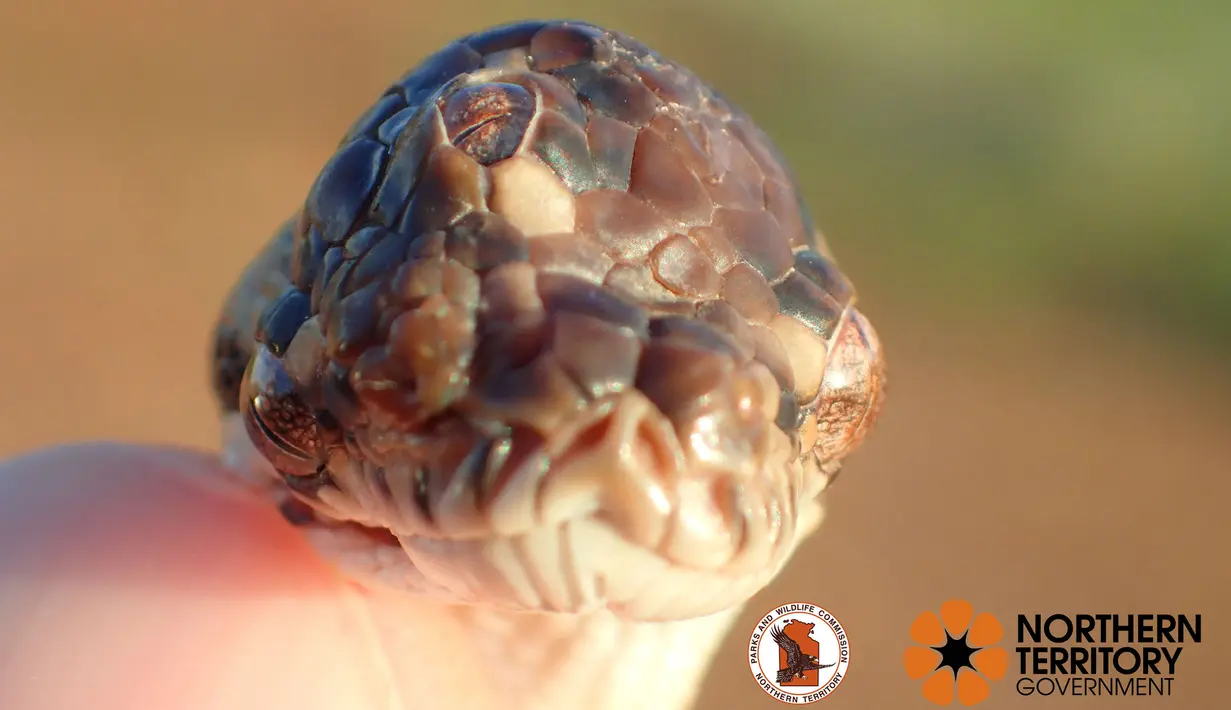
(617, 474)
(709, 499)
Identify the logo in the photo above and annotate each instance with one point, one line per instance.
(1060, 654)
(957, 653)
(798, 653)
(1101, 654)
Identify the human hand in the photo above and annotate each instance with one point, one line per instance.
(131, 577)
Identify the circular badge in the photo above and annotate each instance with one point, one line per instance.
(798, 653)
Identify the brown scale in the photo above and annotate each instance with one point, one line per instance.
(562, 146)
(637, 283)
(544, 215)
(681, 266)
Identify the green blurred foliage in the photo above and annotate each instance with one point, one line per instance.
(1070, 154)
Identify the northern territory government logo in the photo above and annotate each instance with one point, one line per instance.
(798, 653)
(958, 655)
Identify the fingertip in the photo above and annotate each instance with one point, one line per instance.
(130, 514)
(131, 577)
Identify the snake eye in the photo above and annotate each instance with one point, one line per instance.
(281, 425)
(852, 391)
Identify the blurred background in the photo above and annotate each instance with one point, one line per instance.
(1029, 196)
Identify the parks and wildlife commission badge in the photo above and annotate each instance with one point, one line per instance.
(798, 653)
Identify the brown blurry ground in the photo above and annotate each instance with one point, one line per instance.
(1029, 460)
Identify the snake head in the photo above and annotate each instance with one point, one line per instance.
(553, 330)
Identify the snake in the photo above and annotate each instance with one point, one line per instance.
(553, 366)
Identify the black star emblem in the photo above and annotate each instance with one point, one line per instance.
(955, 654)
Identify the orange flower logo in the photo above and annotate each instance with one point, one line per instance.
(955, 654)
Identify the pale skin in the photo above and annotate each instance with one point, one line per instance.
(130, 577)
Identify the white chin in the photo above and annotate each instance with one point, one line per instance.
(579, 566)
